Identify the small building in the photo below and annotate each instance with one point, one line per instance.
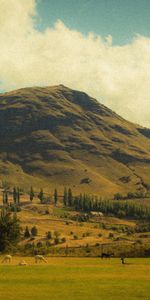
(96, 214)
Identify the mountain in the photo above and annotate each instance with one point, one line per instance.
(55, 137)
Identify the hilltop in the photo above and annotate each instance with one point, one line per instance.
(55, 137)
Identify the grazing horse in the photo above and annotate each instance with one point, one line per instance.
(7, 259)
(107, 255)
(39, 258)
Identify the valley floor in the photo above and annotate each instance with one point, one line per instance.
(76, 279)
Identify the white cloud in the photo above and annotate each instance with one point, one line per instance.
(118, 76)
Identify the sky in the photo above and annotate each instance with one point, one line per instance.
(101, 47)
(122, 19)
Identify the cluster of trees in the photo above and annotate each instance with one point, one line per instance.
(130, 195)
(52, 238)
(55, 236)
(88, 203)
(42, 197)
(68, 197)
(28, 233)
(16, 193)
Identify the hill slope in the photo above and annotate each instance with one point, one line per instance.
(55, 136)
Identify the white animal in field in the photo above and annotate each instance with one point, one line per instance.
(39, 258)
(22, 263)
(7, 259)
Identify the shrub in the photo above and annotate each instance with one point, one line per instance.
(97, 244)
(34, 231)
(39, 244)
(103, 226)
(100, 235)
(63, 240)
(88, 250)
(27, 233)
(46, 211)
(57, 240)
(118, 196)
(28, 246)
(71, 232)
(139, 242)
(49, 235)
(111, 235)
(95, 226)
(88, 233)
(15, 208)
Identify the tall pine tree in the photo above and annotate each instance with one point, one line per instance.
(31, 194)
(65, 197)
(14, 195)
(41, 195)
(5, 197)
(70, 198)
(18, 195)
(55, 196)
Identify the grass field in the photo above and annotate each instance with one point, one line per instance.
(76, 279)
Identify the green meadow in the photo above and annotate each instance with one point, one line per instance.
(76, 279)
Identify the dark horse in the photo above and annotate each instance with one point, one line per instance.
(107, 255)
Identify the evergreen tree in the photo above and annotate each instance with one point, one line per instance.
(3, 197)
(70, 198)
(49, 235)
(6, 197)
(80, 202)
(31, 194)
(55, 196)
(85, 202)
(65, 197)
(41, 196)
(27, 233)
(14, 195)
(76, 202)
(34, 231)
(10, 230)
(18, 196)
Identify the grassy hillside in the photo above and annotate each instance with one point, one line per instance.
(77, 233)
(55, 136)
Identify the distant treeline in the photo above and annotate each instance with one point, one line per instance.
(118, 208)
(85, 203)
